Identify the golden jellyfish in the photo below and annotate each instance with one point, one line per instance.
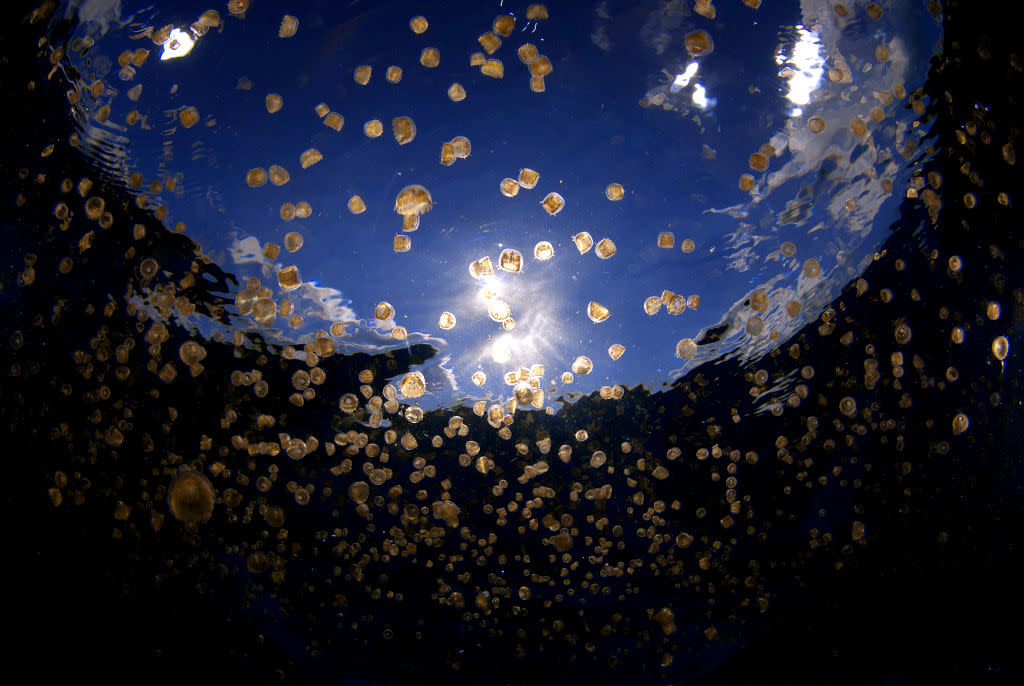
(605, 248)
(362, 74)
(536, 12)
(303, 210)
(686, 349)
(511, 260)
(811, 268)
(430, 58)
(758, 161)
(393, 74)
(321, 109)
(543, 251)
(614, 192)
(446, 321)
(447, 154)
(493, 68)
(652, 305)
(256, 177)
(274, 103)
(413, 385)
(335, 121)
(418, 24)
(666, 240)
(477, 59)
(481, 268)
(508, 187)
(597, 312)
(527, 53)
(279, 176)
(1000, 348)
(413, 199)
(528, 178)
(582, 365)
(384, 311)
(699, 43)
(498, 311)
(356, 205)
(403, 129)
(540, 66)
(816, 124)
(503, 25)
(462, 147)
(583, 242)
(537, 84)
(489, 42)
(293, 241)
(288, 278)
(191, 497)
(615, 351)
(553, 203)
(373, 128)
(746, 182)
(309, 157)
(189, 117)
(456, 93)
(289, 26)
(402, 243)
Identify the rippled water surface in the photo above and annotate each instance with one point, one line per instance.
(582, 341)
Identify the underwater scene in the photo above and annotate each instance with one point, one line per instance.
(613, 342)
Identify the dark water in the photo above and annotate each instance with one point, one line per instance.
(875, 544)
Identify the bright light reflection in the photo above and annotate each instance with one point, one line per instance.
(501, 351)
(700, 98)
(806, 67)
(178, 44)
(682, 80)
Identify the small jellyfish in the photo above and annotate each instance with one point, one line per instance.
(527, 53)
(511, 260)
(666, 240)
(256, 177)
(508, 187)
(189, 117)
(292, 241)
(289, 25)
(686, 348)
(553, 203)
(540, 66)
(413, 199)
(456, 93)
(279, 176)
(447, 154)
(356, 205)
(597, 312)
(402, 243)
(393, 74)
(335, 121)
(493, 68)
(816, 124)
(582, 365)
(274, 103)
(191, 497)
(543, 251)
(288, 278)
(384, 311)
(489, 42)
(430, 58)
(615, 351)
(614, 192)
(536, 12)
(583, 242)
(605, 248)
(373, 128)
(699, 43)
(503, 25)
(418, 24)
(462, 147)
(413, 385)
(362, 74)
(310, 157)
(446, 321)
(528, 178)
(403, 129)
